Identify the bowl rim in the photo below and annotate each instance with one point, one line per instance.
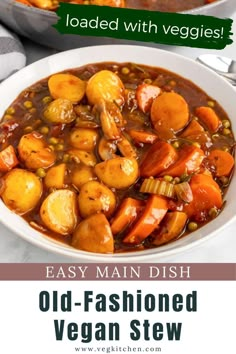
(45, 242)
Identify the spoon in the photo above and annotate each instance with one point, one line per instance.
(226, 67)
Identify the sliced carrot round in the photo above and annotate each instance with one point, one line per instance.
(221, 161)
(169, 111)
(189, 161)
(206, 195)
(154, 212)
(208, 116)
(158, 158)
(128, 212)
(142, 136)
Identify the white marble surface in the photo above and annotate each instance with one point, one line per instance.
(221, 248)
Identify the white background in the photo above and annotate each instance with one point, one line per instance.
(25, 329)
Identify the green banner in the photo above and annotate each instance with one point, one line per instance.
(146, 26)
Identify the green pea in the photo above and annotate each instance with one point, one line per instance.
(59, 147)
(226, 131)
(192, 226)
(211, 104)
(28, 104)
(125, 71)
(40, 172)
(226, 123)
(53, 141)
(46, 99)
(168, 178)
(213, 212)
(44, 130)
(176, 145)
(10, 110)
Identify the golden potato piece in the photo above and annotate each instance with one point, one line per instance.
(84, 139)
(86, 157)
(94, 197)
(60, 110)
(55, 176)
(105, 86)
(59, 211)
(81, 175)
(172, 226)
(67, 86)
(94, 235)
(34, 151)
(119, 173)
(22, 190)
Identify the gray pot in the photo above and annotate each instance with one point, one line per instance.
(37, 24)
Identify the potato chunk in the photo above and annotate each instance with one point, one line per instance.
(60, 110)
(81, 175)
(67, 86)
(119, 173)
(172, 226)
(59, 211)
(22, 190)
(34, 151)
(86, 157)
(94, 197)
(105, 86)
(84, 139)
(94, 235)
(55, 176)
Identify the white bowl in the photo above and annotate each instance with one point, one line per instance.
(210, 82)
(36, 24)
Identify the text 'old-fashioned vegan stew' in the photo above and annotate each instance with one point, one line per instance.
(114, 157)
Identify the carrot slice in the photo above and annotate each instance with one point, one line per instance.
(206, 195)
(145, 95)
(8, 159)
(221, 161)
(209, 118)
(169, 112)
(128, 212)
(192, 129)
(189, 161)
(154, 212)
(141, 136)
(158, 158)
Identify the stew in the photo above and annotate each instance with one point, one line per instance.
(114, 157)
(154, 5)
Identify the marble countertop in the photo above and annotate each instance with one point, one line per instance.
(220, 248)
